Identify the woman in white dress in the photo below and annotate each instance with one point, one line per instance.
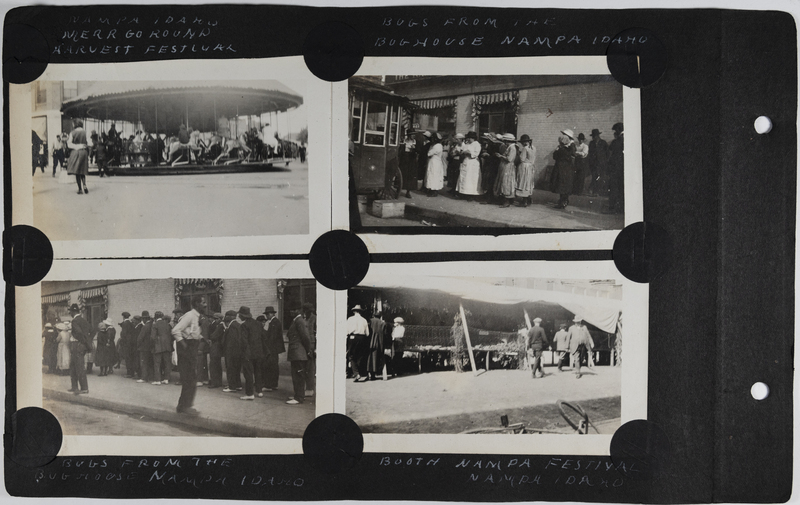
(62, 357)
(434, 177)
(469, 176)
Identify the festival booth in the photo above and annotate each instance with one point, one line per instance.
(469, 325)
(227, 109)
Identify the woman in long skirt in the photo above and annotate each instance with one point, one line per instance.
(434, 177)
(63, 348)
(408, 163)
(562, 180)
(469, 176)
(505, 185)
(525, 170)
(78, 163)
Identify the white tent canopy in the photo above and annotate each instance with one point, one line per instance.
(604, 313)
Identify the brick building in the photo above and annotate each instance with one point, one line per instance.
(538, 105)
(101, 299)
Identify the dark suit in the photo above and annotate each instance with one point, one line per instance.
(127, 339)
(217, 332)
(299, 348)
(273, 347)
(144, 344)
(252, 332)
(161, 335)
(236, 360)
(82, 336)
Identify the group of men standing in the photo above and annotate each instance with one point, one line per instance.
(576, 342)
(374, 348)
(250, 348)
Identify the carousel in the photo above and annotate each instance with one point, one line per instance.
(188, 126)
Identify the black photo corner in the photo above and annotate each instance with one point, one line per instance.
(716, 248)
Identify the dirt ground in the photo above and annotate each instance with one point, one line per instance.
(450, 402)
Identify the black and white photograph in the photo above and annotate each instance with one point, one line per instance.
(541, 152)
(180, 357)
(176, 157)
(471, 354)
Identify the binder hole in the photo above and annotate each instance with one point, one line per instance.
(763, 125)
(759, 391)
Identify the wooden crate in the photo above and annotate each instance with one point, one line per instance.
(388, 208)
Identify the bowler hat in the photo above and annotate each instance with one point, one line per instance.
(230, 313)
(74, 308)
(126, 314)
(145, 314)
(525, 138)
(270, 310)
(595, 132)
(245, 311)
(617, 127)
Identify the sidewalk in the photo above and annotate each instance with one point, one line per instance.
(583, 213)
(267, 417)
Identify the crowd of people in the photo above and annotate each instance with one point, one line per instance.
(75, 151)
(196, 343)
(374, 347)
(500, 169)
(577, 343)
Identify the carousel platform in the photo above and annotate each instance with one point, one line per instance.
(272, 165)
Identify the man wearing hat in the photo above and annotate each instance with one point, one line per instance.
(580, 343)
(581, 164)
(616, 171)
(254, 353)
(274, 346)
(144, 346)
(161, 335)
(561, 340)
(396, 349)
(136, 323)
(233, 349)
(298, 353)
(357, 343)
(79, 345)
(469, 171)
(187, 335)
(216, 331)
(537, 341)
(311, 367)
(598, 162)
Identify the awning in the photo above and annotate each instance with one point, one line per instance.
(201, 283)
(59, 298)
(600, 312)
(498, 97)
(93, 292)
(434, 103)
(161, 106)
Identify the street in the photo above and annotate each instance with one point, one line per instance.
(583, 213)
(174, 206)
(140, 405)
(110, 423)
(450, 402)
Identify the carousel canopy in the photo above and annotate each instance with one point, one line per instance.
(604, 313)
(161, 106)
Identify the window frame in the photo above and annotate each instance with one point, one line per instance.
(385, 132)
(395, 123)
(355, 118)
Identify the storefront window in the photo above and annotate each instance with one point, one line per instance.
(375, 124)
(498, 118)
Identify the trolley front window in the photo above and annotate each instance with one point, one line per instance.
(375, 124)
(355, 127)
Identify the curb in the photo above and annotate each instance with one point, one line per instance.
(207, 423)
